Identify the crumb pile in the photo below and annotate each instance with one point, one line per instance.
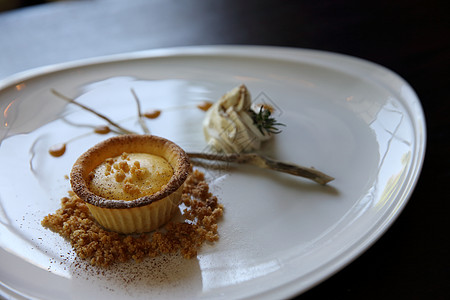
(90, 241)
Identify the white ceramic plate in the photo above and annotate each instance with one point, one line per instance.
(280, 235)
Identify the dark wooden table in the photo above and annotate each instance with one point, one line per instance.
(412, 38)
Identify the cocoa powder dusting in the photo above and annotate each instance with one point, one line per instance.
(100, 247)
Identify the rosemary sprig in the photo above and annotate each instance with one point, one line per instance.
(264, 122)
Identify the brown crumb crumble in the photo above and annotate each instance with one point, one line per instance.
(90, 241)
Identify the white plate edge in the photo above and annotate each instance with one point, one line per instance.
(288, 289)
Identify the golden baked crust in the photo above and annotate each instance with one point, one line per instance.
(79, 176)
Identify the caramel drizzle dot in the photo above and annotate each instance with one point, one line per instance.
(102, 129)
(205, 105)
(152, 114)
(57, 150)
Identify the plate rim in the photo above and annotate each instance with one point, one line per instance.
(370, 237)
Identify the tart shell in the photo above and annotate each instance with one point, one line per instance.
(143, 214)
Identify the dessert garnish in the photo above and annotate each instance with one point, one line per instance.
(205, 105)
(111, 122)
(264, 122)
(139, 112)
(102, 129)
(231, 127)
(152, 114)
(262, 161)
(57, 150)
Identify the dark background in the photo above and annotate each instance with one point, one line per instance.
(412, 260)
